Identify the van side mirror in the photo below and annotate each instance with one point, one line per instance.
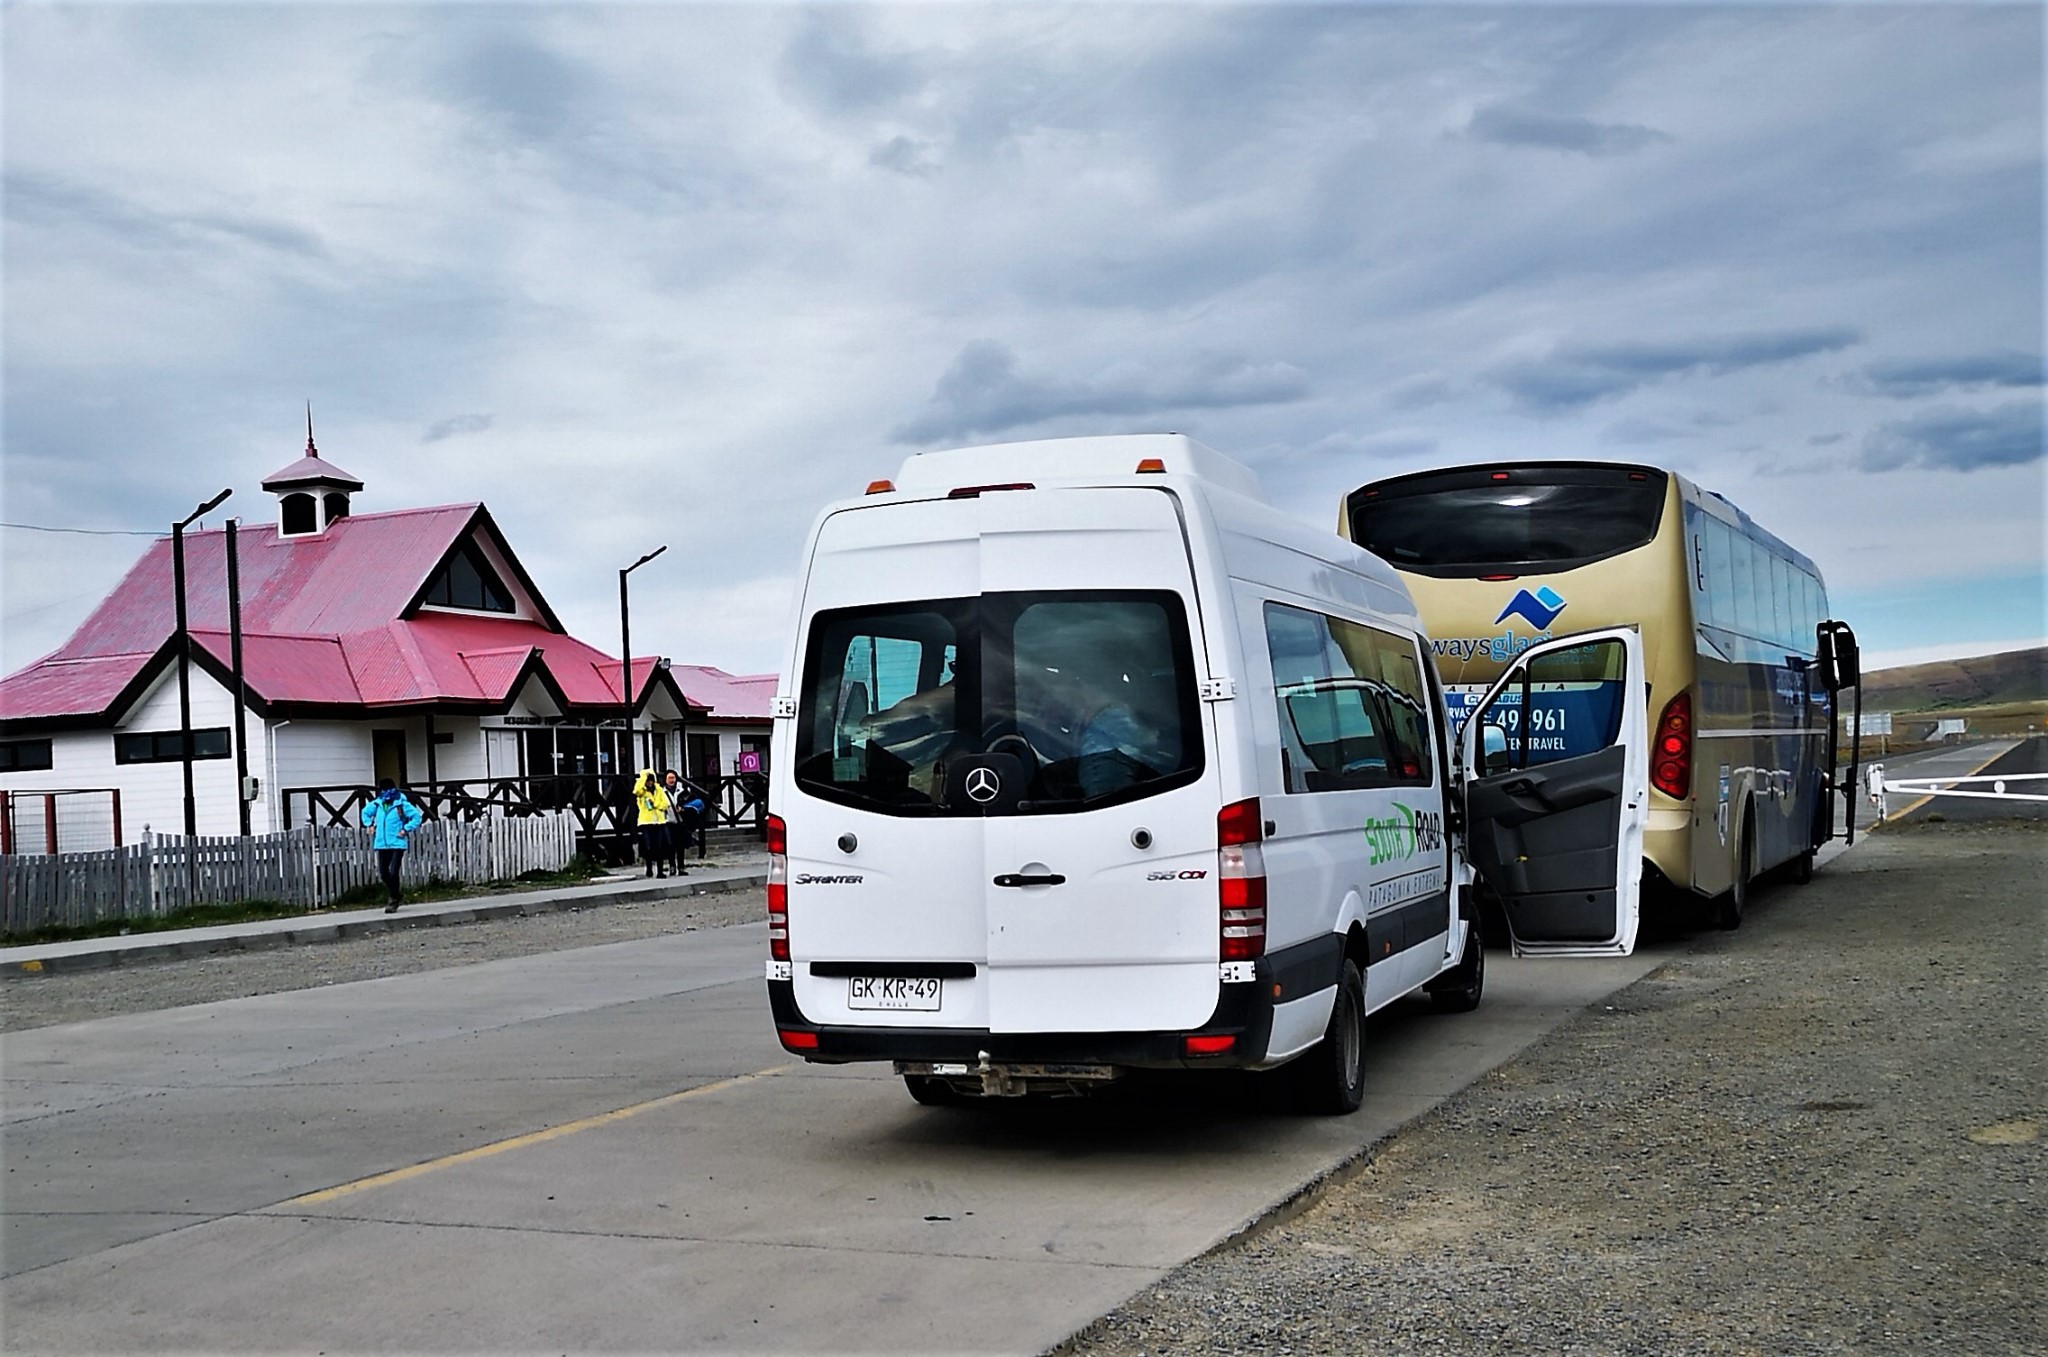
(1493, 750)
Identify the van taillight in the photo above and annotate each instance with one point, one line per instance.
(1671, 755)
(778, 889)
(1241, 880)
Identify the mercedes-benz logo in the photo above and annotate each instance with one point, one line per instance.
(983, 785)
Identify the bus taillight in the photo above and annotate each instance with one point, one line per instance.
(1671, 758)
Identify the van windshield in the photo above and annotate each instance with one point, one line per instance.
(1469, 521)
(1087, 697)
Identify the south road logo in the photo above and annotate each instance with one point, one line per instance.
(1539, 609)
(1410, 831)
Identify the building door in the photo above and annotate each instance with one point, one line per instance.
(387, 755)
(701, 762)
(501, 753)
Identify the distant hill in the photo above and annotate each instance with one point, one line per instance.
(1979, 681)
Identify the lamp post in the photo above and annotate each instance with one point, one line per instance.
(241, 686)
(185, 658)
(626, 649)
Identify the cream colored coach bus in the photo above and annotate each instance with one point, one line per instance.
(1742, 665)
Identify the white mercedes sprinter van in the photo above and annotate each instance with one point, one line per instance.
(1088, 759)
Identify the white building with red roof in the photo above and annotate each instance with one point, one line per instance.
(408, 644)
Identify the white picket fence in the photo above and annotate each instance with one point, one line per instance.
(309, 865)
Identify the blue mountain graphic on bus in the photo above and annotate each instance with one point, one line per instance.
(1539, 609)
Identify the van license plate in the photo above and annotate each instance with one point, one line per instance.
(893, 991)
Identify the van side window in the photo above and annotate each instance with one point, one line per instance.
(1352, 703)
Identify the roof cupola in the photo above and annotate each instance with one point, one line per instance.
(312, 493)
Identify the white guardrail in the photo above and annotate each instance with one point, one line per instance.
(1880, 787)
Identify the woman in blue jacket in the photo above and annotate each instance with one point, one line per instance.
(393, 817)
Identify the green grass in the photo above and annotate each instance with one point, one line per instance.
(243, 911)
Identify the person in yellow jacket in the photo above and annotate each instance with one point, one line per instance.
(652, 804)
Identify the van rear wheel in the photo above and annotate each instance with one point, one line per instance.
(1331, 1077)
(930, 1091)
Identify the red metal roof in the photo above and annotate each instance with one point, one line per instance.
(325, 624)
(311, 467)
(729, 696)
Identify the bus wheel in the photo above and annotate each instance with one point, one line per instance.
(1728, 910)
(1799, 870)
(1331, 1077)
(1460, 991)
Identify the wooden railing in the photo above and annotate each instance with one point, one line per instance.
(601, 806)
(309, 865)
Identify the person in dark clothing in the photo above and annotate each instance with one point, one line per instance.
(686, 817)
(391, 817)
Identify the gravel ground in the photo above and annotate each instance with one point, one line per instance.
(1821, 1134)
(75, 996)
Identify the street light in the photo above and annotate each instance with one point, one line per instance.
(185, 657)
(626, 651)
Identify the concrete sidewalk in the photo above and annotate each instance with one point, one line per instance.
(330, 925)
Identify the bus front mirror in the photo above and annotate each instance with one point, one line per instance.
(1840, 661)
(1493, 750)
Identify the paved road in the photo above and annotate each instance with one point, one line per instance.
(1988, 760)
(604, 1148)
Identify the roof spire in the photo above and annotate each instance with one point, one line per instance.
(311, 451)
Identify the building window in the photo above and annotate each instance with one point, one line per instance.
(337, 507)
(468, 581)
(299, 514)
(24, 756)
(164, 746)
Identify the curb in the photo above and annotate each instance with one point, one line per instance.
(174, 948)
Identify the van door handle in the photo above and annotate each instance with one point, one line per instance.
(1045, 879)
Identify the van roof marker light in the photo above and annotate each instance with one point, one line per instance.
(1151, 466)
(880, 487)
(974, 491)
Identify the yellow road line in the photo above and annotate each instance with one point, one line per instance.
(1912, 806)
(567, 1128)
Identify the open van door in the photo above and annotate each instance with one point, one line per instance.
(1555, 767)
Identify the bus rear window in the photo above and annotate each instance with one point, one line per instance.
(1512, 519)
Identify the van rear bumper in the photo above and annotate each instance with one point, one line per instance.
(1243, 1011)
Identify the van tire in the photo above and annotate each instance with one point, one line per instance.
(930, 1091)
(1330, 1079)
(1461, 990)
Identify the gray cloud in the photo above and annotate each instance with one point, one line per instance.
(1514, 127)
(1961, 373)
(1579, 375)
(453, 425)
(904, 155)
(50, 200)
(1956, 439)
(831, 64)
(527, 90)
(984, 393)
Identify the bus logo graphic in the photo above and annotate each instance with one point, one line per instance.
(1539, 609)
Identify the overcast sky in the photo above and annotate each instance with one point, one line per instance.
(682, 274)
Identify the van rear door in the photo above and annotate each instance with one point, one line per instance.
(1090, 658)
(1556, 776)
(999, 713)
